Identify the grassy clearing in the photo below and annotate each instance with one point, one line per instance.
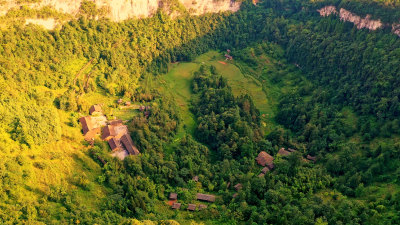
(178, 84)
(252, 81)
(242, 85)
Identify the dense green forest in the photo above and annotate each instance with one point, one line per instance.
(332, 92)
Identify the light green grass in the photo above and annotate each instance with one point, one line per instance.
(178, 83)
(243, 83)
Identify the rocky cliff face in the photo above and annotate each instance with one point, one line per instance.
(396, 29)
(119, 10)
(358, 21)
(327, 11)
(348, 16)
(366, 22)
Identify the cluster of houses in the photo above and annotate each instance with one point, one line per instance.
(267, 161)
(91, 125)
(114, 132)
(173, 197)
(263, 159)
(227, 55)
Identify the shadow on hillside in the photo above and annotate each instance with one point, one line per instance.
(235, 31)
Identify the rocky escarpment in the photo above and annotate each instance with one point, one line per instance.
(118, 10)
(396, 29)
(366, 22)
(327, 11)
(358, 21)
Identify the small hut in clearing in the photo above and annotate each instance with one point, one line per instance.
(176, 205)
(265, 159)
(173, 196)
(228, 57)
(205, 197)
(191, 207)
(283, 152)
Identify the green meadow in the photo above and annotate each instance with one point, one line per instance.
(242, 79)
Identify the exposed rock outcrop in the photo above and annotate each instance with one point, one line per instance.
(396, 29)
(327, 11)
(49, 23)
(119, 10)
(358, 21)
(366, 22)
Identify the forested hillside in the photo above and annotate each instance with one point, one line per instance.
(327, 90)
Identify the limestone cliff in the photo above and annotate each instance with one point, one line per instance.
(118, 10)
(366, 22)
(396, 29)
(327, 11)
(358, 21)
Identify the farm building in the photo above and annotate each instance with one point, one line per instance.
(118, 137)
(128, 144)
(115, 144)
(205, 197)
(115, 122)
(191, 207)
(283, 152)
(111, 131)
(228, 57)
(173, 196)
(265, 159)
(95, 109)
(87, 124)
(92, 123)
(91, 134)
(176, 205)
